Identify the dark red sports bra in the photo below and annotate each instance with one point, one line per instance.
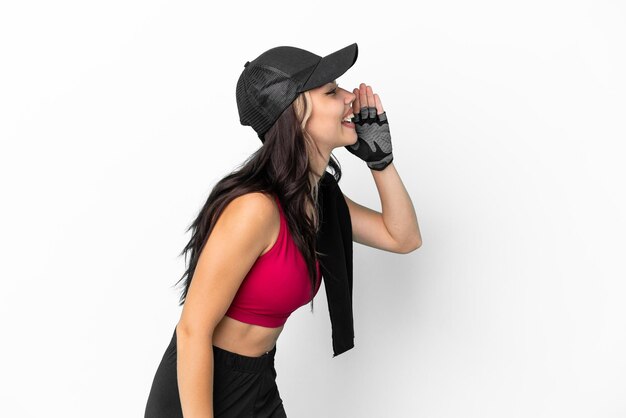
(276, 285)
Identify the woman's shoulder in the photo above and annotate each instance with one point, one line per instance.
(261, 203)
(255, 213)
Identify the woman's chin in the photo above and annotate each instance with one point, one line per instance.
(347, 138)
(345, 143)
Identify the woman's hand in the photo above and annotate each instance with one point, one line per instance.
(373, 143)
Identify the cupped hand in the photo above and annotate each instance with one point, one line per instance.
(373, 143)
(365, 98)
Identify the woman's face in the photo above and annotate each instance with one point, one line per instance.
(331, 104)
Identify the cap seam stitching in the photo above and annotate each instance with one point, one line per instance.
(312, 71)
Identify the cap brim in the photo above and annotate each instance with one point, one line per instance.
(332, 66)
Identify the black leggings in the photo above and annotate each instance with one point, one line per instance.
(243, 387)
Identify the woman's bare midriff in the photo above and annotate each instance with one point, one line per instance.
(245, 339)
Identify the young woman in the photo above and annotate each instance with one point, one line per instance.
(253, 248)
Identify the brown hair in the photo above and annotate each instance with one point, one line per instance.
(281, 166)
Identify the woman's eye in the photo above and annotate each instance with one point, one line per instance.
(332, 91)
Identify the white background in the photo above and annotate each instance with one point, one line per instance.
(507, 122)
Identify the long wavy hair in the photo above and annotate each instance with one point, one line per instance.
(281, 167)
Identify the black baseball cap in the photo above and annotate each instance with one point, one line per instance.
(272, 81)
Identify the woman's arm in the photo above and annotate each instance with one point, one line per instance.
(195, 367)
(396, 228)
(240, 235)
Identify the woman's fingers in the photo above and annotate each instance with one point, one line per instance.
(363, 95)
(379, 105)
(365, 98)
(370, 96)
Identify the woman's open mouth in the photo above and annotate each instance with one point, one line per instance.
(347, 124)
